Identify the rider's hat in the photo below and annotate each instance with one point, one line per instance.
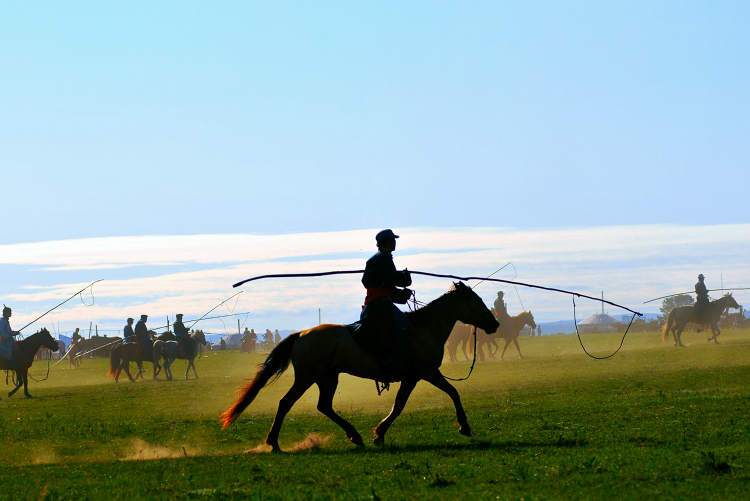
(701, 276)
(500, 293)
(179, 315)
(385, 235)
(144, 317)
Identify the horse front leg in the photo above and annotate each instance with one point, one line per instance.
(716, 331)
(25, 378)
(191, 363)
(515, 341)
(439, 381)
(407, 386)
(507, 343)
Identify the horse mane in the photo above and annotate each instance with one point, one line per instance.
(421, 315)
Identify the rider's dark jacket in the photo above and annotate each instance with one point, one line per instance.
(702, 303)
(380, 276)
(179, 329)
(143, 339)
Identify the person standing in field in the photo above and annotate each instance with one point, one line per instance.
(277, 338)
(128, 336)
(6, 337)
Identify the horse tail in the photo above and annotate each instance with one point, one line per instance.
(667, 325)
(114, 361)
(270, 370)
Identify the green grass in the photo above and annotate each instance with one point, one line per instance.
(652, 421)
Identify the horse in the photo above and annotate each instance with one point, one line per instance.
(460, 335)
(320, 354)
(679, 316)
(508, 333)
(123, 354)
(24, 353)
(172, 350)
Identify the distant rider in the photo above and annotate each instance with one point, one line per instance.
(6, 338)
(128, 336)
(501, 311)
(181, 333)
(702, 304)
(143, 339)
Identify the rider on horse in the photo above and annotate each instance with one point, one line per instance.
(382, 282)
(702, 305)
(128, 336)
(501, 312)
(143, 340)
(181, 333)
(6, 337)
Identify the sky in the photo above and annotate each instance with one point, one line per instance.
(171, 149)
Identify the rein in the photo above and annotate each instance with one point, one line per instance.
(473, 361)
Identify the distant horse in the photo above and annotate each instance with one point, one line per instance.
(508, 332)
(171, 350)
(24, 351)
(679, 316)
(460, 336)
(320, 354)
(123, 354)
(73, 358)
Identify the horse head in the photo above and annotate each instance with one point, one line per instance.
(200, 337)
(473, 311)
(47, 340)
(732, 303)
(528, 318)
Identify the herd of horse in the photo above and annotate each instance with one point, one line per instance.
(320, 354)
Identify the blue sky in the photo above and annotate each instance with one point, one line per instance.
(283, 119)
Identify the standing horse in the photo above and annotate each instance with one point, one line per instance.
(508, 333)
(24, 351)
(679, 316)
(320, 354)
(172, 350)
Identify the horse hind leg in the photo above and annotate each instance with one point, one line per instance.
(19, 382)
(327, 386)
(285, 405)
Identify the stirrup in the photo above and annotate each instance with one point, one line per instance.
(381, 387)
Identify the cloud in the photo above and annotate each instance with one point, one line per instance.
(163, 275)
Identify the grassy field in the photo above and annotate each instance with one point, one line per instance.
(652, 421)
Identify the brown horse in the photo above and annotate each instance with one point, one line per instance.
(679, 316)
(24, 351)
(460, 336)
(509, 332)
(123, 354)
(320, 354)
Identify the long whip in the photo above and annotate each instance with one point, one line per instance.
(71, 297)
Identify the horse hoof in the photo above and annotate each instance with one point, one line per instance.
(378, 441)
(465, 431)
(357, 440)
(28, 396)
